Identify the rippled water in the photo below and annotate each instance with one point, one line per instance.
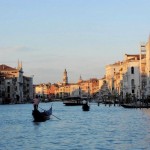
(102, 128)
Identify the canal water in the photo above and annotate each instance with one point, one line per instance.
(102, 128)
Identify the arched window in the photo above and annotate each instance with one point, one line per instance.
(132, 82)
(132, 70)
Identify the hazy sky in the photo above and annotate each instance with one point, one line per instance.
(82, 36)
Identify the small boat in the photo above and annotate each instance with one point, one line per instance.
(134, 106)
(41, 116)
(85, 106)
(72, 101)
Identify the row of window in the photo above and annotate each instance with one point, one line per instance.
(132, 70)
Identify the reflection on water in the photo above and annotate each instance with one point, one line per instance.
(103, 127)
(146, 111)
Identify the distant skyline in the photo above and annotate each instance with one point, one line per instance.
(81, 36)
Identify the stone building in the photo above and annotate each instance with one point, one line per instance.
(132, 75)
(13, 90)
(83, 88)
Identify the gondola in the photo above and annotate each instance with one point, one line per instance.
(134, 106)
(85, 106)
(41, 116)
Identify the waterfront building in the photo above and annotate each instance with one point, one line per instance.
(113, 78)
(11, 94)
(17, 75)
(93, 87)
(131, 77)
(52, 91)
(2, 87)
(13, 82)
(42, 90)
(143, 75)
(101, 81)
(89, 88)
(28, 88)
(103, 88)
(83, 88)
(71, 89)
(104, 92)
(112, 72)
(123, 78)
(64, 91)
(147, 48)
(74, 90)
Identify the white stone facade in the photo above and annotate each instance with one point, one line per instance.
(132, 75)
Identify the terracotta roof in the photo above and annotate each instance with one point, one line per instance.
(5, 67)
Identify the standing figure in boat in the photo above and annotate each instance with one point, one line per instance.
(85, 106)
(40, 116)
(36, 102)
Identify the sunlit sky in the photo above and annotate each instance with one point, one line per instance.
(81, 36)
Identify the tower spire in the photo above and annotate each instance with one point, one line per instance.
(65, 77)
(18, 64)
(19, 67)
(80, 79)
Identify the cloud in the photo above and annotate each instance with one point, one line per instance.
(15, 49)
(23, 49)
(10, 55)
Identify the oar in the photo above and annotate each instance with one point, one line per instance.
(56, 117)
(42, 108)
(51, 114)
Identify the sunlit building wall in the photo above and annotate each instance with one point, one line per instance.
(15, 73)
(147, 46)
(42, 90)
(124, 77)
(74, 90)
(113, 76)
(131, 75)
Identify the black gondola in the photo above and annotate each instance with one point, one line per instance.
(134, 106)
(41, 116)
(85, 107)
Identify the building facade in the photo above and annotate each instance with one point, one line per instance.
(12, 84)
(130, 77)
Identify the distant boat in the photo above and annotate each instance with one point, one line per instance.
(41, 116)
(72, 101)
(135, 105)
(85, 107)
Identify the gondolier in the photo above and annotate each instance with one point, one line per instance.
(36, 102)
(85, 106)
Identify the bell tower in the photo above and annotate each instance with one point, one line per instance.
(80, 79)
(65, 77)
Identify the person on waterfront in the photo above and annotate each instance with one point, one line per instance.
(36, 102)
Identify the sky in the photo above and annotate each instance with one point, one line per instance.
(81, 36)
